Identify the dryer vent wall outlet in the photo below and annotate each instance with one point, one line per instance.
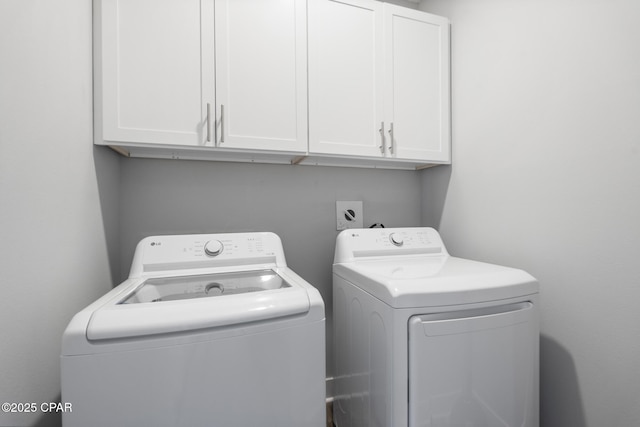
(349, 215)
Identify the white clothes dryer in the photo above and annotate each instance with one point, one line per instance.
(209, 330)
(426, 339)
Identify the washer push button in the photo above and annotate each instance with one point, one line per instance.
(213, 248)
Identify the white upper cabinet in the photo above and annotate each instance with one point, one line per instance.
(336, 82)
(345, 77)
(261, 74)
(417, 84)
(153, 76)
(209, 73)
(378, 81)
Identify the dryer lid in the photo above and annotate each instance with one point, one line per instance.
(429, 281)
(164, 305)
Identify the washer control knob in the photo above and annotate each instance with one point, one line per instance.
(396, 239)
(213, 247)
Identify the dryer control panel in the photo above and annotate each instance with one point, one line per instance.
(385, 242)
(163, 253)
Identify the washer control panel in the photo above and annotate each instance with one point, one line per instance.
(161, 253)
(384, 242)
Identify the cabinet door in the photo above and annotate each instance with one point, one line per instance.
(417, 84)
(153, 75)
(345, 77)
(261, 74)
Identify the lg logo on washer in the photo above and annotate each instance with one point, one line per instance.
(156, 243)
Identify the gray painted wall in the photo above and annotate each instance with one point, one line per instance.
(546, 177)
(295, 202)
(59, 195)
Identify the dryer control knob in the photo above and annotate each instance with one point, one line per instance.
(396, 240)
(213, 247)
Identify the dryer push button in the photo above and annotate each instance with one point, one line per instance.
(396, 239)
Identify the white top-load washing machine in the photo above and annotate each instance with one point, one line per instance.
(426, 339)
(209, 330)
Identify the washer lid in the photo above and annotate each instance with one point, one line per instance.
(175, 304)
(428, 281)
(162, 289)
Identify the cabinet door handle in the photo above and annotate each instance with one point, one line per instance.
(221, 123)
(208, 122)
(381, 130)
(391, 138)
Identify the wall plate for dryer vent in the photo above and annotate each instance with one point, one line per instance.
(349, 215)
